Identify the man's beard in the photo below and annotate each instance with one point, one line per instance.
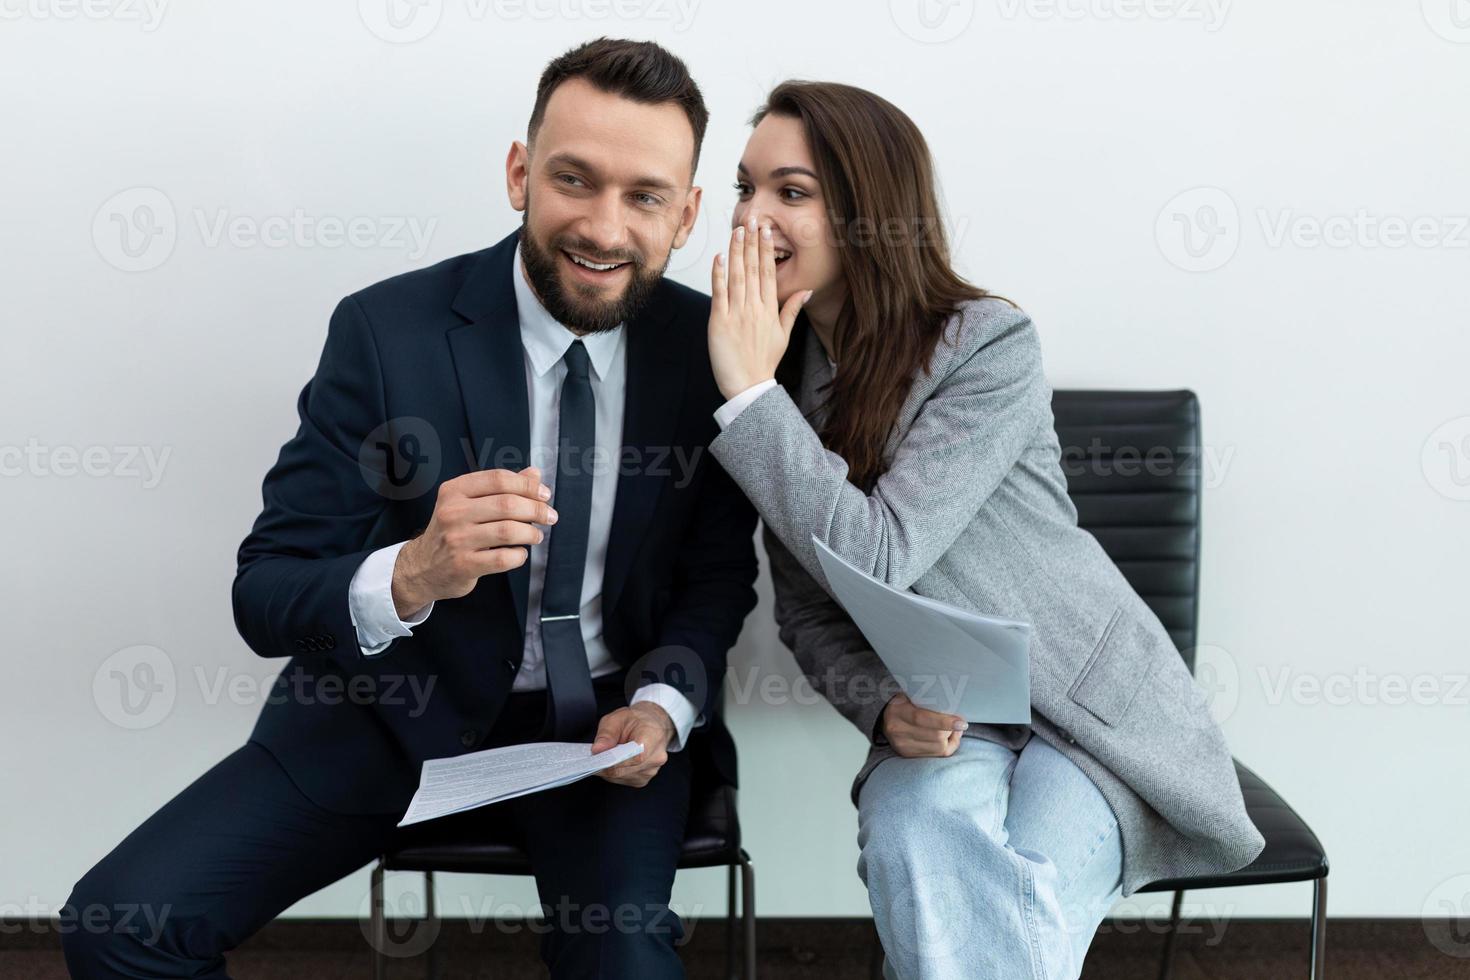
(580, 309)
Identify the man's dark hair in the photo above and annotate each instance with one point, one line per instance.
(637, 70)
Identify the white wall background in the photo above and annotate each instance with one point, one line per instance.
(1323, 323)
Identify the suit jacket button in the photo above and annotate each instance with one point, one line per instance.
(467, 737)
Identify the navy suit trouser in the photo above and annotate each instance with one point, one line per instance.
(242, 843)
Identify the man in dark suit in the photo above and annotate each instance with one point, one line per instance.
(497, 523)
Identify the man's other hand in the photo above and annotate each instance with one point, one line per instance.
(645, 723)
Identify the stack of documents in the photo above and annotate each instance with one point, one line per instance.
(463, 782)
(945, 658)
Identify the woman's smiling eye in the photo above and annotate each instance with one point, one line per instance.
(744, 190)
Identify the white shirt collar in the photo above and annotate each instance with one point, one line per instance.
(546, 340)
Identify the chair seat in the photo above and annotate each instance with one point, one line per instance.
(1292, 851)
(458, 842)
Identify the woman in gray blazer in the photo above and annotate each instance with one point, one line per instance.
(899, 414)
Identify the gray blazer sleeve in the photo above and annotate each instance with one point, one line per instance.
(829, 648)
(988, 402)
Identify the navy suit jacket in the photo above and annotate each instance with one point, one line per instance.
(422, 379)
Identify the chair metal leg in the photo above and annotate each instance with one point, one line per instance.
(430, 914)
(747, 911)
(1317, 965)
(379, 928)
(1166, 966)
(732, 970)
(1319, 929)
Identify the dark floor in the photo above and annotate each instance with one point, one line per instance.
(796, 950)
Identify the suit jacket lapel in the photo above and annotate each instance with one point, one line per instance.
(489, 362)
(655, 377)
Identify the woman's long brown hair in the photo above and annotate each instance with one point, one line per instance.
(877, 179)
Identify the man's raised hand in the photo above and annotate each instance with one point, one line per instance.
(484, 523)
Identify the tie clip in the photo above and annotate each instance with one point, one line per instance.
(548, 619)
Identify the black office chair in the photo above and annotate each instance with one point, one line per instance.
(1132, 462)
(1147, 518)
(451, 844)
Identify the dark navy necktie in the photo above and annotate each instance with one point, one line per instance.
(571, 706)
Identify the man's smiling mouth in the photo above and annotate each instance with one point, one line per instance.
(594, 266)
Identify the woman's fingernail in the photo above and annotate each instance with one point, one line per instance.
(807, 297)
(766, 232)
(719, 258)
(550, 515)
(740, 234)
(544, 493)
(960, 726)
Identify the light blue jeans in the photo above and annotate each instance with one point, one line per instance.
(990, 864)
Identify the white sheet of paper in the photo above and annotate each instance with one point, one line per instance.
(463, 782)
(945, 658)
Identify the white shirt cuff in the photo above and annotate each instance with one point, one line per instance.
(727, 412)
(370, 603)
(680, 709)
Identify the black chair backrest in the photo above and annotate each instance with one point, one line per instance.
(1132, 461)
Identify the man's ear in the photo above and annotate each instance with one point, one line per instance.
(688, 216)
(517, 174)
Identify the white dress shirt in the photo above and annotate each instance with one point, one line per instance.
(729, 411)
(545, 342)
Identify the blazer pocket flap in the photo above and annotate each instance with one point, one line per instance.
(1115, 672)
